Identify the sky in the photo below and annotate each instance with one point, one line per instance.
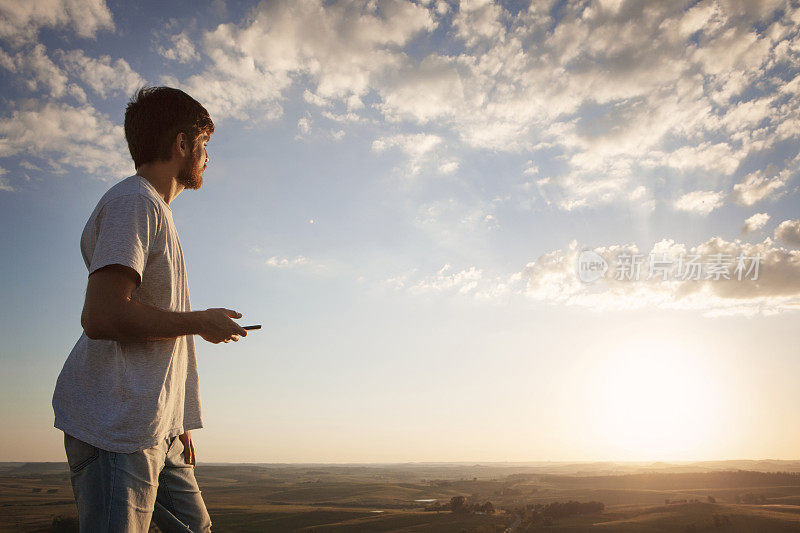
(405, 195)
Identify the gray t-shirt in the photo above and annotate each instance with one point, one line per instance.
(128, 396)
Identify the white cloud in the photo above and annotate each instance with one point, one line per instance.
(719, 158)
(34, 68)
(530, 169)
(4, 184)
(702, 202)
(757, 186)
(451, 223)
(343, 118)
(61, 134)
(341, 47)
(618, 93)
(788, 231)
(478, 21)
(424, 91)
(462, 282)
(613, 88)
(354, 103)
(102, 74)
(552, 278)
(767, 281)
(303, 126)
(416, 145)
(448, 167)
(315, 99)
(287, 262)
(755, 222)
(182, 49)
(20, 21)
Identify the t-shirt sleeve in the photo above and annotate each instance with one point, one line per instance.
(126, 229)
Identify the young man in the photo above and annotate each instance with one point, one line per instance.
(127, 396)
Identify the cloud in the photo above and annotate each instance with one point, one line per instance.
(755, 222)
(448, 167)
(59, 125)
(20, 22)
(607, 98)
(553, 278)
(343, 118)
(287, 262)
(416, 146)
(341, 48)
(303, 127)
(445, 280)
(478, 21)
(451, 223)
(530, 169)
(702, 202)
(421, 92)
(61, 134)
(34, 69)
(757, 186)
(102, 74)
(618, 96)
(719, 158)
(4, 184)
(181, 50)
(788, 231)
(315, 99)
(729, 278)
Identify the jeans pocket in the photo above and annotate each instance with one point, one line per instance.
(79, 454)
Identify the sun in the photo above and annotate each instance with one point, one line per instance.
(655, 401)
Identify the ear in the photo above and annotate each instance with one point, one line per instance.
(180, 146)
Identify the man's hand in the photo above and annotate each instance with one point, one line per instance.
(188, 448)
(216, 325)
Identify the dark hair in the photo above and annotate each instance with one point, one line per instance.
(155, 116)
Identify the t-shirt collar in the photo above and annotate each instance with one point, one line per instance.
(154, 191)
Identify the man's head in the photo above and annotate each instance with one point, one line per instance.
(161, 123)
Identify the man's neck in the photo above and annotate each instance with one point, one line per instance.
(163, 180)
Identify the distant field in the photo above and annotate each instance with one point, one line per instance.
(374, 498)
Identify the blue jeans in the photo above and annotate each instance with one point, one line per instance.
(121, 492)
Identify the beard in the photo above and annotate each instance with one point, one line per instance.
(189, 176)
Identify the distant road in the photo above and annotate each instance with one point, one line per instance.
(515, 525)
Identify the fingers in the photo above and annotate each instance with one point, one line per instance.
(221, 326)
(240, 331)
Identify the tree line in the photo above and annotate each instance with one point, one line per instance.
(697, 480)
(538, 514)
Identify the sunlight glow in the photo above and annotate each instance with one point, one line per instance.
(656, 401)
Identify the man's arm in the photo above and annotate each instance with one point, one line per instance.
(110, 313)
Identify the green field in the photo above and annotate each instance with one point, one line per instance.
(727, 496)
